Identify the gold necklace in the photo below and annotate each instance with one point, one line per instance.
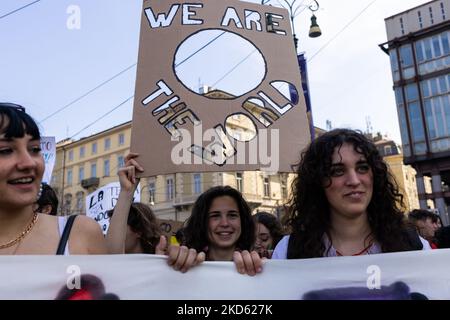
(23, 234)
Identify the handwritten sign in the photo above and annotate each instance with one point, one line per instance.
(104, 199)
(48, 150)
(217, 89)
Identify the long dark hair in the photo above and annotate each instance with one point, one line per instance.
(272, 224)
(310, 215)
(143, 222)
(196, 231)
(15, 122)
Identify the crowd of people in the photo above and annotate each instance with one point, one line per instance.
(345, 202)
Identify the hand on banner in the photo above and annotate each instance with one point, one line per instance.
(127, 174)
(181, 258)
(248, 262)
(161, 247)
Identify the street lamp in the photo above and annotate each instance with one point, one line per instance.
(293, 7)
(314, 31)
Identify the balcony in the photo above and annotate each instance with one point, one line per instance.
(181, 200)
(90, 183)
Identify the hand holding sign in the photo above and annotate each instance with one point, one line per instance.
(127, 174)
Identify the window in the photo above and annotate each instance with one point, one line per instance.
(415, 118)
(151, 192)
(120, 162)
(284, 193)
(406, 61)
(94, 148)
(387, 150)
(402, 120)
(437, 46)
(93, 170)
(445, 45)
(107, 143)
(437, 110)
(420, 19)
(197, 183)
(443, 11)
(80, 202)
(412, 93)
(121, 139)
(239, 181)
(394, 64)
(402, 27)
(82, 152)
(431, 15)
(433, 53)
(80, 174)
(106, 168)
(169, 189)
(266, 187)
(419, 51)
(71, 155)
(67, 203)
(69, 177)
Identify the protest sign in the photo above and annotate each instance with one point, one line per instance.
(103, 199)
(48, 150)
(217, 88)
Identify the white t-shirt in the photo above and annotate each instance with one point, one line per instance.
(280, 251)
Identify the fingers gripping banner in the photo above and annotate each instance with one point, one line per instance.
(217, 89)
(399, 276)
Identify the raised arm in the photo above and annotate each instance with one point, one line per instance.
(117, 231)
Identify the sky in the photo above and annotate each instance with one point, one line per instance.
(47, 62)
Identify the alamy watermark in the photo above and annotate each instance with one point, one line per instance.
(374, 278)
(74, 19)
(74, 279)
(263, 149)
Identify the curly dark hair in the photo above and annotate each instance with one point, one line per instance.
(196, 230)
(272, 224)
(143, 222)
(310, 215)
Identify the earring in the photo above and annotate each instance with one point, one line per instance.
(39, 193)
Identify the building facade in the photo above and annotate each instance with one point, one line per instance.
(405, 175)
(419, 49)
(84, 165)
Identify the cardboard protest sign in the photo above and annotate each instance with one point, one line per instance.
(48, 150)
(218, 88)
(104, 199)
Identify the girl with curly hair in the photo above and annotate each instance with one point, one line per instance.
(344, 202)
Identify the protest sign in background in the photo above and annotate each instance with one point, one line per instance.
(104, 199)
(48, 150)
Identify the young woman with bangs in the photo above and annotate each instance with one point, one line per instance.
(23, 230)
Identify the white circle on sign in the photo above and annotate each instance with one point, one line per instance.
(219, 64)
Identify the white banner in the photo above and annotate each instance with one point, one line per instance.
(48, 150)
(406, 275)
(104, 199)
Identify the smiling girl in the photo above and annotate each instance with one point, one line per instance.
(345, 202)
(23, 230)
